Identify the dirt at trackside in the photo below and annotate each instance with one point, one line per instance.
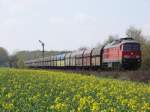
(139, 76)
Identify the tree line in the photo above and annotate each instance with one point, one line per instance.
(17, 60)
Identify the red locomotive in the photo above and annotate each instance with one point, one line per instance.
(124, 53)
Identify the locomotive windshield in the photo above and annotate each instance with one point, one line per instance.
(131, 47)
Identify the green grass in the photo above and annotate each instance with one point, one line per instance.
(41, 91)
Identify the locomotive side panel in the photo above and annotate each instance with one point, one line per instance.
(112, 57)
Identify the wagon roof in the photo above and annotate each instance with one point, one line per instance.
(68, 55)
(96, 51)
(80, 53)
(61, 55)
(87, 52)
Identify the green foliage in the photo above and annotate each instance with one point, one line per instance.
(3, 57)
(51, 91)
(13, 61)
(146, 55)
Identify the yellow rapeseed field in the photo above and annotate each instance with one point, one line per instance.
(54, 91)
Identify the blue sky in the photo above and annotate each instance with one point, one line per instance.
(68, 24)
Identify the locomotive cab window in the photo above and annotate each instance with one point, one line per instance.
(131, 47)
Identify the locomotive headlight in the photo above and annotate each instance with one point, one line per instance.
(132, 53)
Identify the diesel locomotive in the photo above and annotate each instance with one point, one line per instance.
(124, 53)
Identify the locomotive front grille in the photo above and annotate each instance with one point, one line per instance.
(131, 63)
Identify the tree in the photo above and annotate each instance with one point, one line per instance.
(145, 56)
(110, 39)
(98, 45)
(13, 61)
(136, 34)
(3, 57)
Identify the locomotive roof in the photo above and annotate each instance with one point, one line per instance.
(116, 43)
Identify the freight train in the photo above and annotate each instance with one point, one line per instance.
(124, 53)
